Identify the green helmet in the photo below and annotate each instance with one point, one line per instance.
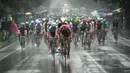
(10, 18)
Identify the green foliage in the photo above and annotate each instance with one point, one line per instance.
(18, 4)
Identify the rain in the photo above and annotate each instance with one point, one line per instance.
(64, 36)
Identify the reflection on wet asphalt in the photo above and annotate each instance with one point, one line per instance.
(110, 58)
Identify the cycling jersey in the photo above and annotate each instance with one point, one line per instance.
(38, 29)
(65, 31)
(115, 24)
(22, 31)
(32, 27)
(45, 26)
(75, 27)
(85, 26)
(99, 25)
(52, 29)
(105, 24)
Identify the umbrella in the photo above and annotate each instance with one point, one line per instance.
(110, 14)
(117, 10)
(28, 13)
(101, 13)
(105, 15)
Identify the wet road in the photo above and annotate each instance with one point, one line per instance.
(111, 58)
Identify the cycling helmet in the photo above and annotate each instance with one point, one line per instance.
(26, 22)
(10, 18)
(37, 21)
(32, 21)
(44, 19)
(22, 24)
(54, 24)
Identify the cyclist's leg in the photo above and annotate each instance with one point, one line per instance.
(50, 39)
(24, 41)
(91, 36)
(20, 40)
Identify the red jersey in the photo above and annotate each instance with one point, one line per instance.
(65, 26)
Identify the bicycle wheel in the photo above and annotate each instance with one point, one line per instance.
(85, 42)
(37, 41)
(89, 42)
(99, 38)
(75, 42)
(32, 39)
(53, 47)
(82, 39)
(116, 36)
(103, 38)
(65, 51)
(22, 41)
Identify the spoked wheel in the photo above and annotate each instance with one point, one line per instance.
(22, 42)
(99, 38)
(32, 39)
(53, 47)
(116, 36)
(65, 52)
(89, 43)
(75, 42)
(53, 54)
(37, 43)
(103, 38)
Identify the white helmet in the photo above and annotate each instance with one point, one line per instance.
(53, 24)
(32, 21)
(37, 21)
(44, 19)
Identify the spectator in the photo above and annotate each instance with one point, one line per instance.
(4, 29)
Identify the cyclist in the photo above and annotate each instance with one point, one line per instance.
(45, 24)
(52, 34)
(105, 26)
(32, 26)
(65, 34)
(99, 29)
(84, 26)
(38, 31)
(27, 27)
(115, 29)
(99, 24)
(115, 24)
(75, 29)
(91, 23)
(22, 30)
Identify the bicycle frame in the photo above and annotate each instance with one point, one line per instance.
(99, 36)
(115, 34)
(37, 40)
(104, 36)
(87, 40)
(53, 46)
(65, 50)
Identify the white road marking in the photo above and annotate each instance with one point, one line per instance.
(8, 46)
(95, 62)
(10, 53)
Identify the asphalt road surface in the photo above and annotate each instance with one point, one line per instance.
(111, 58)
